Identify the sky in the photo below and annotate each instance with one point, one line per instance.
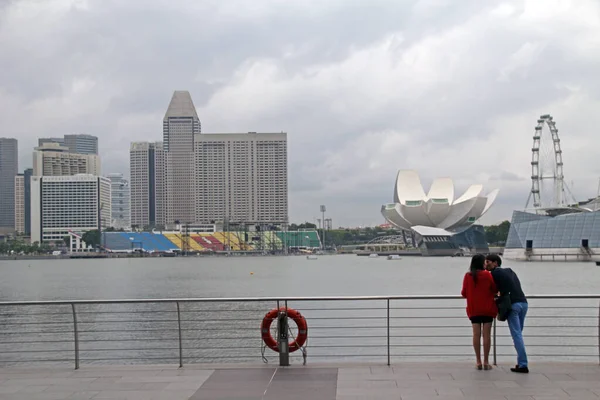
(363, 89)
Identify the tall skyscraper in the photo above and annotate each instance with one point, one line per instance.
(53, 159)
(82, 144)
(241, 177)
(120, 201)
(23, 202)
(180, 124)
(60, 204)
(9, 167)
(20, 204)
(143, 172)
(197, 177)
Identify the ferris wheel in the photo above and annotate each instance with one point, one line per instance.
(548, 187)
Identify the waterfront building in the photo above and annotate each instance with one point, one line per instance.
(241, 178)
(570, 235)
(180, 125)
(194, 177)
(53, 159)
(146, 163)
(119, 201)
(63, 204)
(9, 167)
(438, 223)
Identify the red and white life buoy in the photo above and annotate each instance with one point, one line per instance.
(265, 329)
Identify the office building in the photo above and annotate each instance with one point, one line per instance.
(192, 177)
(9, 167)
(241, 177)
(119, 201)
(42, 141)
(143, 180)
(20, 204)
(180, 124)
(63, 204)
(23, 202)
(79, 143)
(53, 159)
(82, 144)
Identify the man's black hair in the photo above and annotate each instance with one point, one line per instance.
(494, 258)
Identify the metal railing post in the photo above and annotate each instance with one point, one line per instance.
(76, 335)
(180, 339)
(495, 337)
(388, 333)
(598, 333)
(282, 338)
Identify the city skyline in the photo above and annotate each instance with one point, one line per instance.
(444, 88)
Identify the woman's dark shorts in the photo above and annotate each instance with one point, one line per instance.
(481, 320)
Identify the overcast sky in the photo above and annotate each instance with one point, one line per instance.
(445, 87)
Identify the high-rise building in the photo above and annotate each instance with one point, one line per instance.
(60, 141)
(9, 167)
(82, 144)
(20, 204)
(63, 204)
(120, 201)
(180, 124)
(205, 178)
(79, 143)
(53, 159)
(143, 160)
(241, 177)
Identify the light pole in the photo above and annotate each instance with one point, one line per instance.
(323, 209)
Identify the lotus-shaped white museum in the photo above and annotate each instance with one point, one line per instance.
(438, 208)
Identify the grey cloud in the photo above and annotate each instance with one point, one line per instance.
(435, 76)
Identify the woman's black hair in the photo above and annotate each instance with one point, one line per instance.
(477, 264)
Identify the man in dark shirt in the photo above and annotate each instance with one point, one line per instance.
(508, 282)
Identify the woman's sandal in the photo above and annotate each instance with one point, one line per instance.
(487, 367)
(479, 367)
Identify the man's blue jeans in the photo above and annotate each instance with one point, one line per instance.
(516, 322)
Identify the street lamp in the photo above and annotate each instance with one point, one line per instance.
(323, 209)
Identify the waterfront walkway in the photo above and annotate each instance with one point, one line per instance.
(406, 381)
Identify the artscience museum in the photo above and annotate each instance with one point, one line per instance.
(439, 223)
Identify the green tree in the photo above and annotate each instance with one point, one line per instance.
(92, 238)
(497, 234)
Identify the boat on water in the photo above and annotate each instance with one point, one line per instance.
(373, 255)
(312, 257)
(394, 257)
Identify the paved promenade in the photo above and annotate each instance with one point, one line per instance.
(407, 381)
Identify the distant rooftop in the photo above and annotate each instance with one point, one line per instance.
(181, 105)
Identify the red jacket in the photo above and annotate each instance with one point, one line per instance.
(480, 296)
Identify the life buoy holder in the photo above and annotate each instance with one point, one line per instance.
(265, 329)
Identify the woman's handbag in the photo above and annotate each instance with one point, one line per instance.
(504, 306)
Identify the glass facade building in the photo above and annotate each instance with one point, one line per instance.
(567, 231)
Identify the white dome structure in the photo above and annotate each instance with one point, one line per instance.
(438, 208)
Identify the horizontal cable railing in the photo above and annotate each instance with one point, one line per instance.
(380, 329)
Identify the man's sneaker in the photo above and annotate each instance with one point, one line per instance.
(520, 370)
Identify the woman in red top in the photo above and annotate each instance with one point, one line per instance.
(479, 290)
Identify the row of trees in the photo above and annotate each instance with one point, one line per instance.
(496, 234)
(22, 247)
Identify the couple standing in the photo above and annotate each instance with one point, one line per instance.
(485, 279)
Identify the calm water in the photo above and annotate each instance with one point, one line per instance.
(219, 332)
(272, 276)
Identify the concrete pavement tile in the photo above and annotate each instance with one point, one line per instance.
(440, 376)
(85, 395)
(118, 395)
(173, 395)
(444, 391)
(582, 393)
(177, 386)
(558, 377)
(34, 389)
